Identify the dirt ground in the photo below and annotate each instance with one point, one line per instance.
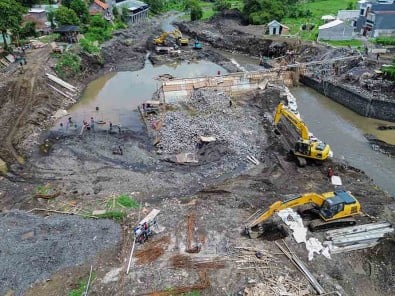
(203, 207)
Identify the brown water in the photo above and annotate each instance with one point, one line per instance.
(117, 95)
(344, 131)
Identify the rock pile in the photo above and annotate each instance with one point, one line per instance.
(211, 113)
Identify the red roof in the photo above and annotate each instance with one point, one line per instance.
(101, 4)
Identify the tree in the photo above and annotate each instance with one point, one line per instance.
(28, 3)
(125, 14)
(80, 9)
(221, 5)
(10, 17)
(156, 6)
(51, 18)
(66, 16)
(115, 12)
(196, 10)
(66, 3)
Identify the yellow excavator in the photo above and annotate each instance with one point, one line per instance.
(180, 40)
(161, 39)
(304, 148)
(335, 209)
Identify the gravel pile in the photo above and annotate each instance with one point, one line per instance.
(32, 247)
(211, 115)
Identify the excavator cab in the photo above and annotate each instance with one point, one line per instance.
(342, 204)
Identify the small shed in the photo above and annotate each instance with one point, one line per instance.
(68, 33)
(336, 30)
(276, 28)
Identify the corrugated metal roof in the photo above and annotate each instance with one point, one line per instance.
(330, 24)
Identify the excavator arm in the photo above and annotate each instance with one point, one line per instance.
(293, 119)
(298, 200)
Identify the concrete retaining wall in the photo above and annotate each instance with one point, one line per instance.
(360, 104)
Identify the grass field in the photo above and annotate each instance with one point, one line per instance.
(317, 8)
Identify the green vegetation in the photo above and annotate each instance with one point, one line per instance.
(314, 10)
(89, 46)
(385, 40)
(80, 290)
(114, 215)
(352, 43)
(122, 201)
(192, 293)
(66, 16)
(43, 189)
(68, 65)
(81, 10)
(10, 17)
(389, 71)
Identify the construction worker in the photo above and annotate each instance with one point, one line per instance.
(92, 124)
(330, 172)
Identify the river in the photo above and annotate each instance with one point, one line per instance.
(344, 131)
(117, 96)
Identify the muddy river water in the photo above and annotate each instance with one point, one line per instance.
(117, 96)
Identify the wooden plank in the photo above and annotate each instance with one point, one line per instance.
(61, 82)
(150, 217)
(302, 268)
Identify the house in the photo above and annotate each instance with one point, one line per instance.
(99, 7)
(349, 16)
(336, 30)
(137, 10)
(276, 28)
(39, 17)
(376, 18)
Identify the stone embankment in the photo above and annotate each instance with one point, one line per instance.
(359, 103)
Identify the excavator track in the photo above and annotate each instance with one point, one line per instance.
(317, 225)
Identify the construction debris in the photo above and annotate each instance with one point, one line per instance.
(280, 286)
(301, 267)
(184, 261)
(356, 238)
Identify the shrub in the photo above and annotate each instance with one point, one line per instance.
(196, 12)
(88, 46)
(68, 65)
(385, 40)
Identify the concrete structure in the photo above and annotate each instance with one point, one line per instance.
(348, 16)
(335, 30)
(177, 90)
(276, 28)
(376, 18)
(138, 11)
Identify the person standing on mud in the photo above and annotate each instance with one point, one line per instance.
(92, 124)
(110, 126)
